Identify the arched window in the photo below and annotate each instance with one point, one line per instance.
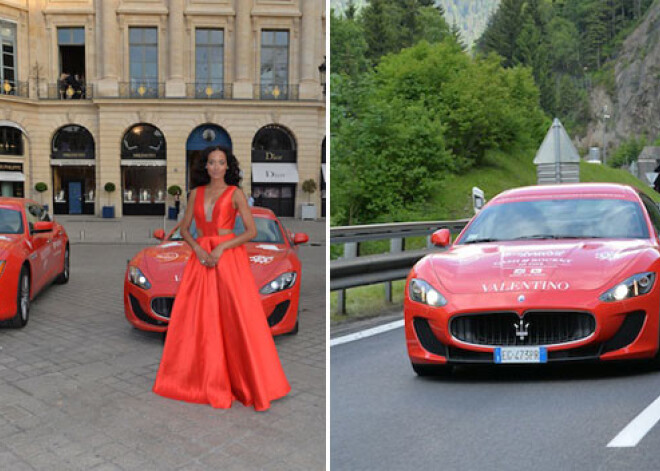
(273, 144)
(143, 141)
(11, 141)
(73, 142)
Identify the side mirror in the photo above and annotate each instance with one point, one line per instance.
(159, 234)
(43, 226)
(300, 238)
(441, 238)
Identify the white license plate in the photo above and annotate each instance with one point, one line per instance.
(521, 355)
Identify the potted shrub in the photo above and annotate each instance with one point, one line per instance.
(309, 208)
(109, 211)
(40, 188)
(175, 191)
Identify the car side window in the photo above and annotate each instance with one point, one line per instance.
(653, 211)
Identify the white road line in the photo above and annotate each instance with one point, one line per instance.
(366, 333)
(633, 432)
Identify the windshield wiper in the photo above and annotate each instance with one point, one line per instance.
(485, 239)
(557, 236)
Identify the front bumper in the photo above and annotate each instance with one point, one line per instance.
(149, 310)
(623, 330)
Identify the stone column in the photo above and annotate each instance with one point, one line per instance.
(175, 86)
(243, 56)
(310, 87)
(110, 46)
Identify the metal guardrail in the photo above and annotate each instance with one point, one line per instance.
(352, 270)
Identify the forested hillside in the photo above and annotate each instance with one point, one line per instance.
(569, 44)
(470, 16)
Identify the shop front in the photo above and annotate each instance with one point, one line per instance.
(12, 179)
(143, 171)
(73, 165)
(274, 170)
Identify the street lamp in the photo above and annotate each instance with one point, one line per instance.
(322, 74)
(606, 116)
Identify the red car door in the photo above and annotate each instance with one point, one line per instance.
(40, 249)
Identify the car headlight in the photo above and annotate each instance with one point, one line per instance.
(138, 278)
(422, 292)
(282, 282)
(2, 266)
(636, 285)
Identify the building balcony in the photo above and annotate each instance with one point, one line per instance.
(11, 87)
(279, 92)
(67, 91)
(209, 90)
(141, 89)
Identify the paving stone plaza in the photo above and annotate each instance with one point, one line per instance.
(75, 383)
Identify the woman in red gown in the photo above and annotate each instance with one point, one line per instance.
(219, 347)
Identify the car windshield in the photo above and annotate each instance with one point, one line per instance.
(558, 219)
(267, 231)
(11, 221)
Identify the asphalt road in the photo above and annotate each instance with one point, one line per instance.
(484, 418)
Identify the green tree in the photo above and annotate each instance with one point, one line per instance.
(347, 46)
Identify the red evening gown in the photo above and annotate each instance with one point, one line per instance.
(219, 347)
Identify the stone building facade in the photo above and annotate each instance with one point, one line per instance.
(128, 92)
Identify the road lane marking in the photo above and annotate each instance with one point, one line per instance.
(636, 430)
(366, 333)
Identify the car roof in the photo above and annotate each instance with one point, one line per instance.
(569, 190)
(263, 212)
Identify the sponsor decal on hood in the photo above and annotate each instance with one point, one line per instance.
(167, 256)
(274, 248)
(540, 285)
(261, 259)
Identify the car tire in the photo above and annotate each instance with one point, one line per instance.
(63, 277)
(432, 370)
(22, 316)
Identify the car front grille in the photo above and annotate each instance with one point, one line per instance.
(162, 306)
(534, 328)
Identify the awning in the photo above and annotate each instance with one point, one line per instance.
(323, 172)
(274, 173)
(143, 163)
(72, 162)
(12, 177)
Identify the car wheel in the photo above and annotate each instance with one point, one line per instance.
(22, 301)
(63, 277)
(432, 370)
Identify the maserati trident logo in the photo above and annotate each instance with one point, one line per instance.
(521, 329)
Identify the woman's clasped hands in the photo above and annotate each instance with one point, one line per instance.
(209, 259)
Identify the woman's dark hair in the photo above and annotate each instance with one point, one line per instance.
(200, 176)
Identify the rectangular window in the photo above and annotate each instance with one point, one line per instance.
(143, 57)
(274, 64)
(209, 63)
(71, 45)
(8, 58)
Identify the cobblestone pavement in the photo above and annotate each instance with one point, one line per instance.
(75, 384)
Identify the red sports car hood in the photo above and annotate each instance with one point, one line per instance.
(525, 266)
(163, 261)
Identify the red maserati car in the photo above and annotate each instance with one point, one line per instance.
(153, 275)
(541, 274)
(34, 251)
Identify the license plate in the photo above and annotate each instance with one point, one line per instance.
(521, 355)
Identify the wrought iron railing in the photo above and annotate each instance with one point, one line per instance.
(209, 90)
(276, 92)
(11, 87)
(141, 89)
(67, 91)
